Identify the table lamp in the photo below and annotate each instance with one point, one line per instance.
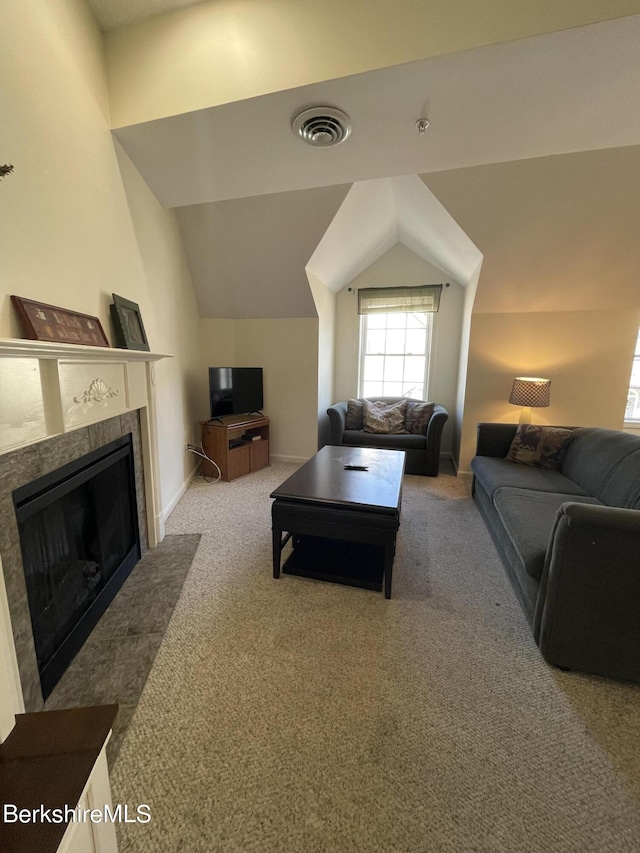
(530, 392)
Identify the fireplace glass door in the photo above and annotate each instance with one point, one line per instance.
(79, 539)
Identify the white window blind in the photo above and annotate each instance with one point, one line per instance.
(393, 300)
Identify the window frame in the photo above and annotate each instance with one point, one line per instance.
(635, 362)
(428, 350)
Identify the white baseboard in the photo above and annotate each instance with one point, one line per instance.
(166, 512)
(279, 457)
(458, 472)
(449, 457)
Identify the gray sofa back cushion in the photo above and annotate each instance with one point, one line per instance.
(494, 473)
(606, 464)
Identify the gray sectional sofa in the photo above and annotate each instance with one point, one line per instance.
(570, 541)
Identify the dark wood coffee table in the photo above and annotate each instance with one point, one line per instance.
(342, 523)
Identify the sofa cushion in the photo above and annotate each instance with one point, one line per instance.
(606, 463)
(384, 418)
(541, 446)
(417, 417)
(494, 472)
(358, 438)
(355, 414)
(527, 517)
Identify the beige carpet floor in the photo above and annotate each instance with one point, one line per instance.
(296, 715)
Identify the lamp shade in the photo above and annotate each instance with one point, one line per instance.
(531, 391)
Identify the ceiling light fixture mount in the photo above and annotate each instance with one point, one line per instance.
(322, 127)
(422, 124)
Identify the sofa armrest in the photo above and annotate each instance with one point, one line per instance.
(338, 422)
(588, 609)
(435, 426)
(434, 438)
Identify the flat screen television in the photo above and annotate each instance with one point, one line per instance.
(235, 390)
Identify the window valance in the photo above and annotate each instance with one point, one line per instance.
(392, 300)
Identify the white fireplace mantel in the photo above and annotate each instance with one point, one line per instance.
(47, 389)
(49, 349)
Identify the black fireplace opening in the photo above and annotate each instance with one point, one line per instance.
(79, 537)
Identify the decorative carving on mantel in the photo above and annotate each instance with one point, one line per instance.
(97, 392)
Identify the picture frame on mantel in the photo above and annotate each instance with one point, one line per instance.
(43, 322)
(127, 324)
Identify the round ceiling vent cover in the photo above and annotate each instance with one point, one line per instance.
(322, 127)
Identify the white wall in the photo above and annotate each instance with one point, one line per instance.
(325, 301)
(463, 363)
(172, 324)
(78, 223)
(287, 350)
(227, 50)
(558, 294)
(400, 266)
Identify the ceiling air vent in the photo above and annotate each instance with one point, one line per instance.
(322, 126)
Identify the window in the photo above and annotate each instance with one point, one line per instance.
(632, 412)
(394, 352)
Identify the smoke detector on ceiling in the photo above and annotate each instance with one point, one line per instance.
(322, 127)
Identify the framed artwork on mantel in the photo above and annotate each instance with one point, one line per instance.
(127, 324)
(42, 322)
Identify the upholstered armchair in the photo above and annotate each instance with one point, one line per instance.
(422, 450)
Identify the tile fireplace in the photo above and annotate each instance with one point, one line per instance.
(68, 414)
(78, 531)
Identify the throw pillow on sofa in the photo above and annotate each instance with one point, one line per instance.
(417, 417)
(384, 418)
(355, 414)
(543, 447)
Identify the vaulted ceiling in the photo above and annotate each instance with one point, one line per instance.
(379, 213)
(247, 256)
(575, 90)
(254, 201)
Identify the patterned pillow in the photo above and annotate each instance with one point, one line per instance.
(418, 416)
(355, 413)
(384, 418)
(543, 447)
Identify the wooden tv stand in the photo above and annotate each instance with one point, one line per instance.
(235, 461)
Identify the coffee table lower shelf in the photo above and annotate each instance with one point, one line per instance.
(350, 563)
